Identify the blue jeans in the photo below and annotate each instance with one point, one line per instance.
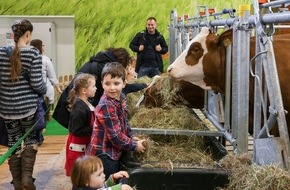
(110, 166)
(149, 71)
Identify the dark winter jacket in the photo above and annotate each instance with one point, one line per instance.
(80, 123)
(134, 87)
(142, 38)
(94, 67)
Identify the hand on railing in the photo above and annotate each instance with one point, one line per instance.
(58, 88)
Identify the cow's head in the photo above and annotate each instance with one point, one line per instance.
(202, 62)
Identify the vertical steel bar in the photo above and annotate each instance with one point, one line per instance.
(172, 36)
(243, 79)
(228, 88)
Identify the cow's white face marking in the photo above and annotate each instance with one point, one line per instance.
(180, 70)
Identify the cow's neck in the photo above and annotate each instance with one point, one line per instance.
(215, 75)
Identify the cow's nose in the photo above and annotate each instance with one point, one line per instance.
(169, 69)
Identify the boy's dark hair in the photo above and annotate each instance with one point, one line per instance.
(115, 69)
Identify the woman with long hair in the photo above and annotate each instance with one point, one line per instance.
(20, 84)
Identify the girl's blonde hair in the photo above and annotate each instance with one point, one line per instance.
(81, 81)
(83, 168)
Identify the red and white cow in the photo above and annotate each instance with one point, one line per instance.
(203, 63)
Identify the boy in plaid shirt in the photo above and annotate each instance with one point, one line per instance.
(112, 133)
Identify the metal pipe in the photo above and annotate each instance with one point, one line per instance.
(274, 3)
(227, 135)
(270, 124)
(265, 19)
(177, 132)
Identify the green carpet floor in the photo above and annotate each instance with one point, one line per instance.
(54, 128)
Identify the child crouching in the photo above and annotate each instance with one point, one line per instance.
(88, 174)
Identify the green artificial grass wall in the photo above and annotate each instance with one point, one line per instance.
(109, 23)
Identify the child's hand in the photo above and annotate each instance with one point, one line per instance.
(58, 88)
(119, 175)
(136, 138)
(140, 148)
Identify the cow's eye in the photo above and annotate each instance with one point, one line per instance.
(196, 49)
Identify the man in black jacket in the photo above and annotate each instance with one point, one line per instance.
(149, 45)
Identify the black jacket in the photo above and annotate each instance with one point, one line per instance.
(141, 38)
(80, 119)
(134, 87)
(94, 67)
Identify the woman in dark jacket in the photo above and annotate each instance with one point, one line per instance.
(94, 67)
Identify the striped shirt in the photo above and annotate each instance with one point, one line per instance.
(19, 99)
(111, 133)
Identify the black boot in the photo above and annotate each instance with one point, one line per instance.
(27, 164)
(14, 163)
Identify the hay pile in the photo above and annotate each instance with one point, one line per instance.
(174, 118)
(247, 176)
(166, 117)
(169, 91)
(175, 151)
(189, 151)
(168, 151)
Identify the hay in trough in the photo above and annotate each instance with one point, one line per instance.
(175, 151)
(187, 152)
(165, 118)
(174, 118)
(169, 151)
(169, 91)
(167, 94)
(247, 176)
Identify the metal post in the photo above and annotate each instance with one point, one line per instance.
(243, 48)
(172, 36)
(228, 88)
(275, 150)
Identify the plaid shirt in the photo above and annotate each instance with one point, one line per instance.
(112, 132)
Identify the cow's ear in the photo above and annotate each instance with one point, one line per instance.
(226, 38)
